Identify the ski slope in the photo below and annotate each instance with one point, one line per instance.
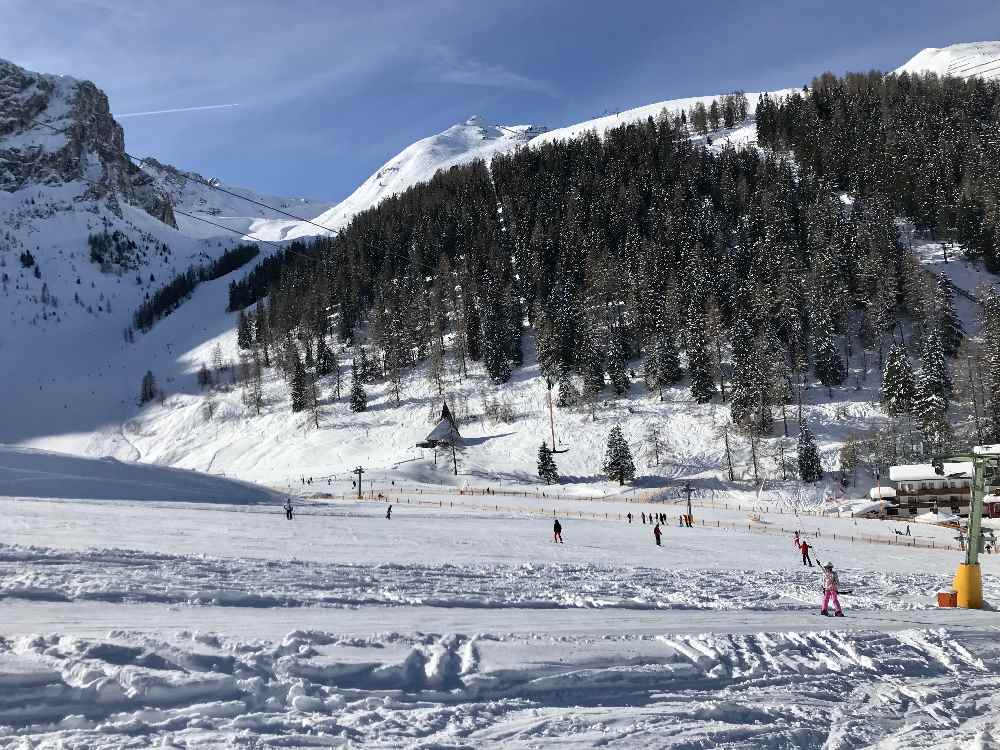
(183, 624)
(974, 59)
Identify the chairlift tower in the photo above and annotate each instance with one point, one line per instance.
(986, 470)
(359, 471)
(687, 489)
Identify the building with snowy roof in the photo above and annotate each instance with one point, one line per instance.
(919, 489)
(445, 432)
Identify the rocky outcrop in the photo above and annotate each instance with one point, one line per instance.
(56, 130)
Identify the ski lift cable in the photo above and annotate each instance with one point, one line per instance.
(206, 183)
(237, 231)
(199, 218)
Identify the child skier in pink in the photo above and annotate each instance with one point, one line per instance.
(830, 585)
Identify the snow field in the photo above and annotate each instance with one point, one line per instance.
(197, 689)
(184, 624)
(455, 627)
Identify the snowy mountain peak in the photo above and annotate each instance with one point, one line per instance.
(57, 131)
(980, 59)
(418, 162)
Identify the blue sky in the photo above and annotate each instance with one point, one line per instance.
(328, 91)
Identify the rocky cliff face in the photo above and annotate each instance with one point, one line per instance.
(56, 130)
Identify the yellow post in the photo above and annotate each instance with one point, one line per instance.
(969, 586)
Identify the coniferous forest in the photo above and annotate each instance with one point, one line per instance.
(745, 274)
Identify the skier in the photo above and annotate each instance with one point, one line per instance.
(644, 518)
(804, 548)
(830, 586)
(557, 532)
(656, 534)
(288, 509)
(798, 542)
(388, 513)
(629, 517)
(908, 529)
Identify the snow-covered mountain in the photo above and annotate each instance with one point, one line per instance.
(56, 130)
(980, 59)
(464, 143)
(72, 381)
(239, 209)
(459, 144)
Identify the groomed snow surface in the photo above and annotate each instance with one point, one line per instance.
(460, 624)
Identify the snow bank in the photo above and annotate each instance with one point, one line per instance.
(27, 472)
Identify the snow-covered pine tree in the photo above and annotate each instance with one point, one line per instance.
(810, 467)
(590, 362)
(298, 386)
(617, 365)
(547, 470)
(662, 367)
(701, 361)
(989, 369)
(310, 360)
(827, 364)
(244, 332)
(359, 399)
(569, 396)
(148, 390)
(699, 118)
(934, 376)
(951, 328)
(325, 359)
(618, 463)
(897, 383)
(204, 376)
(750, 402)
(930, 410)
(496, 339)
(547, 351)
(850, 457)
(472, 325)
(515, 326)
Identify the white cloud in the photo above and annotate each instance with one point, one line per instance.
(447, 66)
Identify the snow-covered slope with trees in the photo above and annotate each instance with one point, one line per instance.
(89, 404)
(979, 59)
(600, 125)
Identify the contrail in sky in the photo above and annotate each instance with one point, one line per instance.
(178, 109)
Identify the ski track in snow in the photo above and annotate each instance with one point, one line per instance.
(449, 628)
(131, 576)
(200, 689)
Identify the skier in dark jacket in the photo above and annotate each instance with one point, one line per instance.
(629, 517)
(288, 509)
(388, 513)
(804, 548)
(656, 534)
(557, 532)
